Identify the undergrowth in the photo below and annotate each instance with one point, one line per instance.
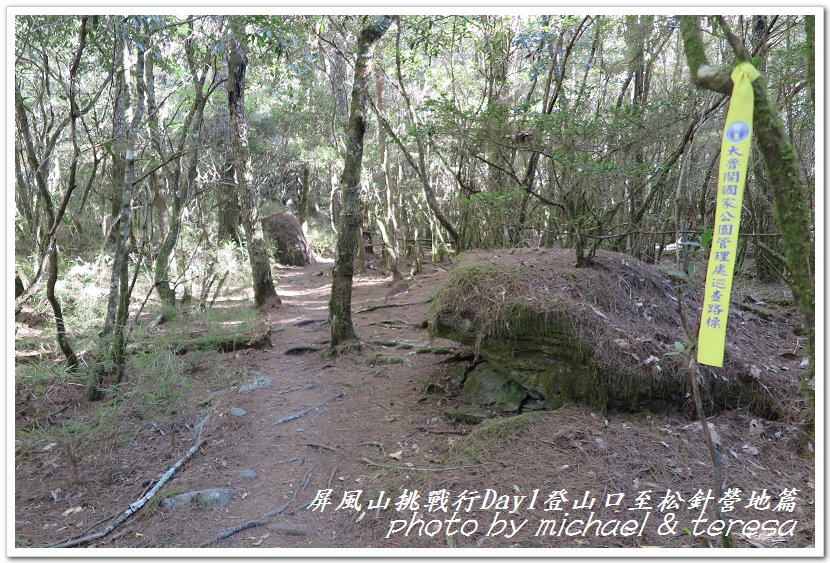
(489, 437)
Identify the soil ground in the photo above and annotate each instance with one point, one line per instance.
(388, 432)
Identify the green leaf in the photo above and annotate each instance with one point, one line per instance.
(706, 237)
(678, 274)
(680, 347)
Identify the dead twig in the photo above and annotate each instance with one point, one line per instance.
(137, 505)
(368, 461)
(323, 447)
(377, 444)
(306, 410)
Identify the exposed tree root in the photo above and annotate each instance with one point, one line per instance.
(305, 322)
(388, 305)
(302, 350)
(265, 518)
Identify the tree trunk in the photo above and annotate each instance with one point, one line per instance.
(189, 132)
(227, 212)
(119, 165)
(340, 304)
(302, 199)
(263, 284)
(117, 176)
(386, 219)
(119, 286)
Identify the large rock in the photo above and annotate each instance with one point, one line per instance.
(288, 242)
(489, 385)
(208, 497)
(601, 336)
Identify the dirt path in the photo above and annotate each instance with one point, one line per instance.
(378, 413)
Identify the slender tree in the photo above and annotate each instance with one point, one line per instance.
(340, 304)
(180, 184)
(263, 284)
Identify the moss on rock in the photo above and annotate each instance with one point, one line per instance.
(548, 331)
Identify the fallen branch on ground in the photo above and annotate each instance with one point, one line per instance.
(265, 518)
(322, 447)
(368, 461)
(430, 431)
(306, 410)
(377, 444)
(137, 505)
(388, 305)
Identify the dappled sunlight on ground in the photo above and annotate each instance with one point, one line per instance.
(323, 290)
(366, 280)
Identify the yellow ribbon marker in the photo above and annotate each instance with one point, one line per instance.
(734, 156)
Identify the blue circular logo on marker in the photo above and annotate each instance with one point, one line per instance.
(737, 131)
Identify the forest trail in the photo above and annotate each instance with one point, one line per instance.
(365, 406)
(378, 410)
(371, 421)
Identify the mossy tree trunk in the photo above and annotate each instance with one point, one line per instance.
(759, 202)
(227, 212)
(340, 304)
(790, 208)
(263, 284)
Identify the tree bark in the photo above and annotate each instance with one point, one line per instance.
(227, 212)
(302, 199)
(340, 304)
(263, 284)
(117, 175)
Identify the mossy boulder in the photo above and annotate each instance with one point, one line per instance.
(289, 245)
(600, 336)
(489, 385)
